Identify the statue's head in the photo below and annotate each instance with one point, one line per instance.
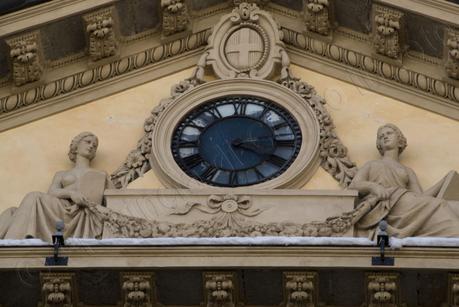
(383, 136)
(84, 144)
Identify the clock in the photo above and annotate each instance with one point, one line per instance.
(236, 140)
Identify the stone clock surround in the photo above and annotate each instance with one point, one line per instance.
(299, 172)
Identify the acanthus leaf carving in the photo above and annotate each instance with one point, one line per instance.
(57, 289)
(300, 289)
(102, 37)
(452, 57)
(219, 288)
(317, 16)
(387, 32)
(25, 57)
(245, 12)
(138, 289)
(175, 16)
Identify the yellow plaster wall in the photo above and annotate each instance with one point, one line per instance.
(32, 153)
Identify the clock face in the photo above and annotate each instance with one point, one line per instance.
(236, 141)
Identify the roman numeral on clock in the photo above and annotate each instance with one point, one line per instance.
(193, 160)
(285, 143)
(188, 144)
(280, 125)
(239, 108)
(209, 173)
(276, 160)
(233, 179)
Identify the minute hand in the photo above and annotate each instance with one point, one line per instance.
(257, 145)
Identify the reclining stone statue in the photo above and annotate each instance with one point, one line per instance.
(391, 191)
(72, 198)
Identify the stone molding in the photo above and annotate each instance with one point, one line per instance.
(47, 12)
(135, 256)
(12, 107)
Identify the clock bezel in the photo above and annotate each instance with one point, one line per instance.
(295, 176)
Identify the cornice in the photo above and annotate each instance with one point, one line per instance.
(46, 13)
(438, 9)
(230, 256)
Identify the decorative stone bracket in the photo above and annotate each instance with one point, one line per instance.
(317, 15)
(26, 57)
(220, 289)
(388, 32)
(383, 289)
(100, 27)
(452, 53)
(175, 16)
(58, 289)
(138, 289)
(301, 289)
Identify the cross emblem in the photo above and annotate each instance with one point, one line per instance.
(246, 45)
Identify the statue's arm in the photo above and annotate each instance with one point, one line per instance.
(413, 184)
(56, 187)
(362, 184)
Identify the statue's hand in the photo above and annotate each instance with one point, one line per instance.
(380, 192)
(79, 199)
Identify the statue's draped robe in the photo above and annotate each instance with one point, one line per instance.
(408, 214)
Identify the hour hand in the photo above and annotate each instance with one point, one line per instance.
(260, 145)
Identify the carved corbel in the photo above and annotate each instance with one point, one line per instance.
(300, 289)
(26, 59)
(260, 3)
(387, 32)
(102, 37)
(175, 16)
(317, 15)
(453, 290)
(452, 53)
(220, 289)
(58, 289)
(383, 289)
(138, 289)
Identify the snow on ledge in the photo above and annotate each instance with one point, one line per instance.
(245, 241)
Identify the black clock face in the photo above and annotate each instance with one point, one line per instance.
(236, 141)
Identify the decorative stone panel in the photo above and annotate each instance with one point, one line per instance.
(58, 289)
(301, 289)
(387, 32)
(452, 53)
(100, 26)
(175, 16)
(317, 16)
(220, 289)
(138, 289)
(383, 289)
(25, 57)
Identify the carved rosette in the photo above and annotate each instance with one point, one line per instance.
(317, 16)
(220, 289)
(175, 16)
(26, 59)
(452, 53)
(387, 35)
(58, 289)
(138, 289)
(300, 289)
(383, 289)
(102, 38)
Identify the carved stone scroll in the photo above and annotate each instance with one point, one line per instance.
(58, 289)
(387, 31)
(26, 58)
(103, 42)
(301, 289)
(383, 289)
(452, 53)
(138, 289)
(220, 289)
(317, 16)
(175, 16)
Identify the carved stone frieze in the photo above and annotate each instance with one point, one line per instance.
(220, 289)
(58, 289)
(26, 58)
(103, 42)
(175, 16)
(317, 16)
(387, 31)
(383, 289)
(300, 289)
(452, 53)
(138, 289)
